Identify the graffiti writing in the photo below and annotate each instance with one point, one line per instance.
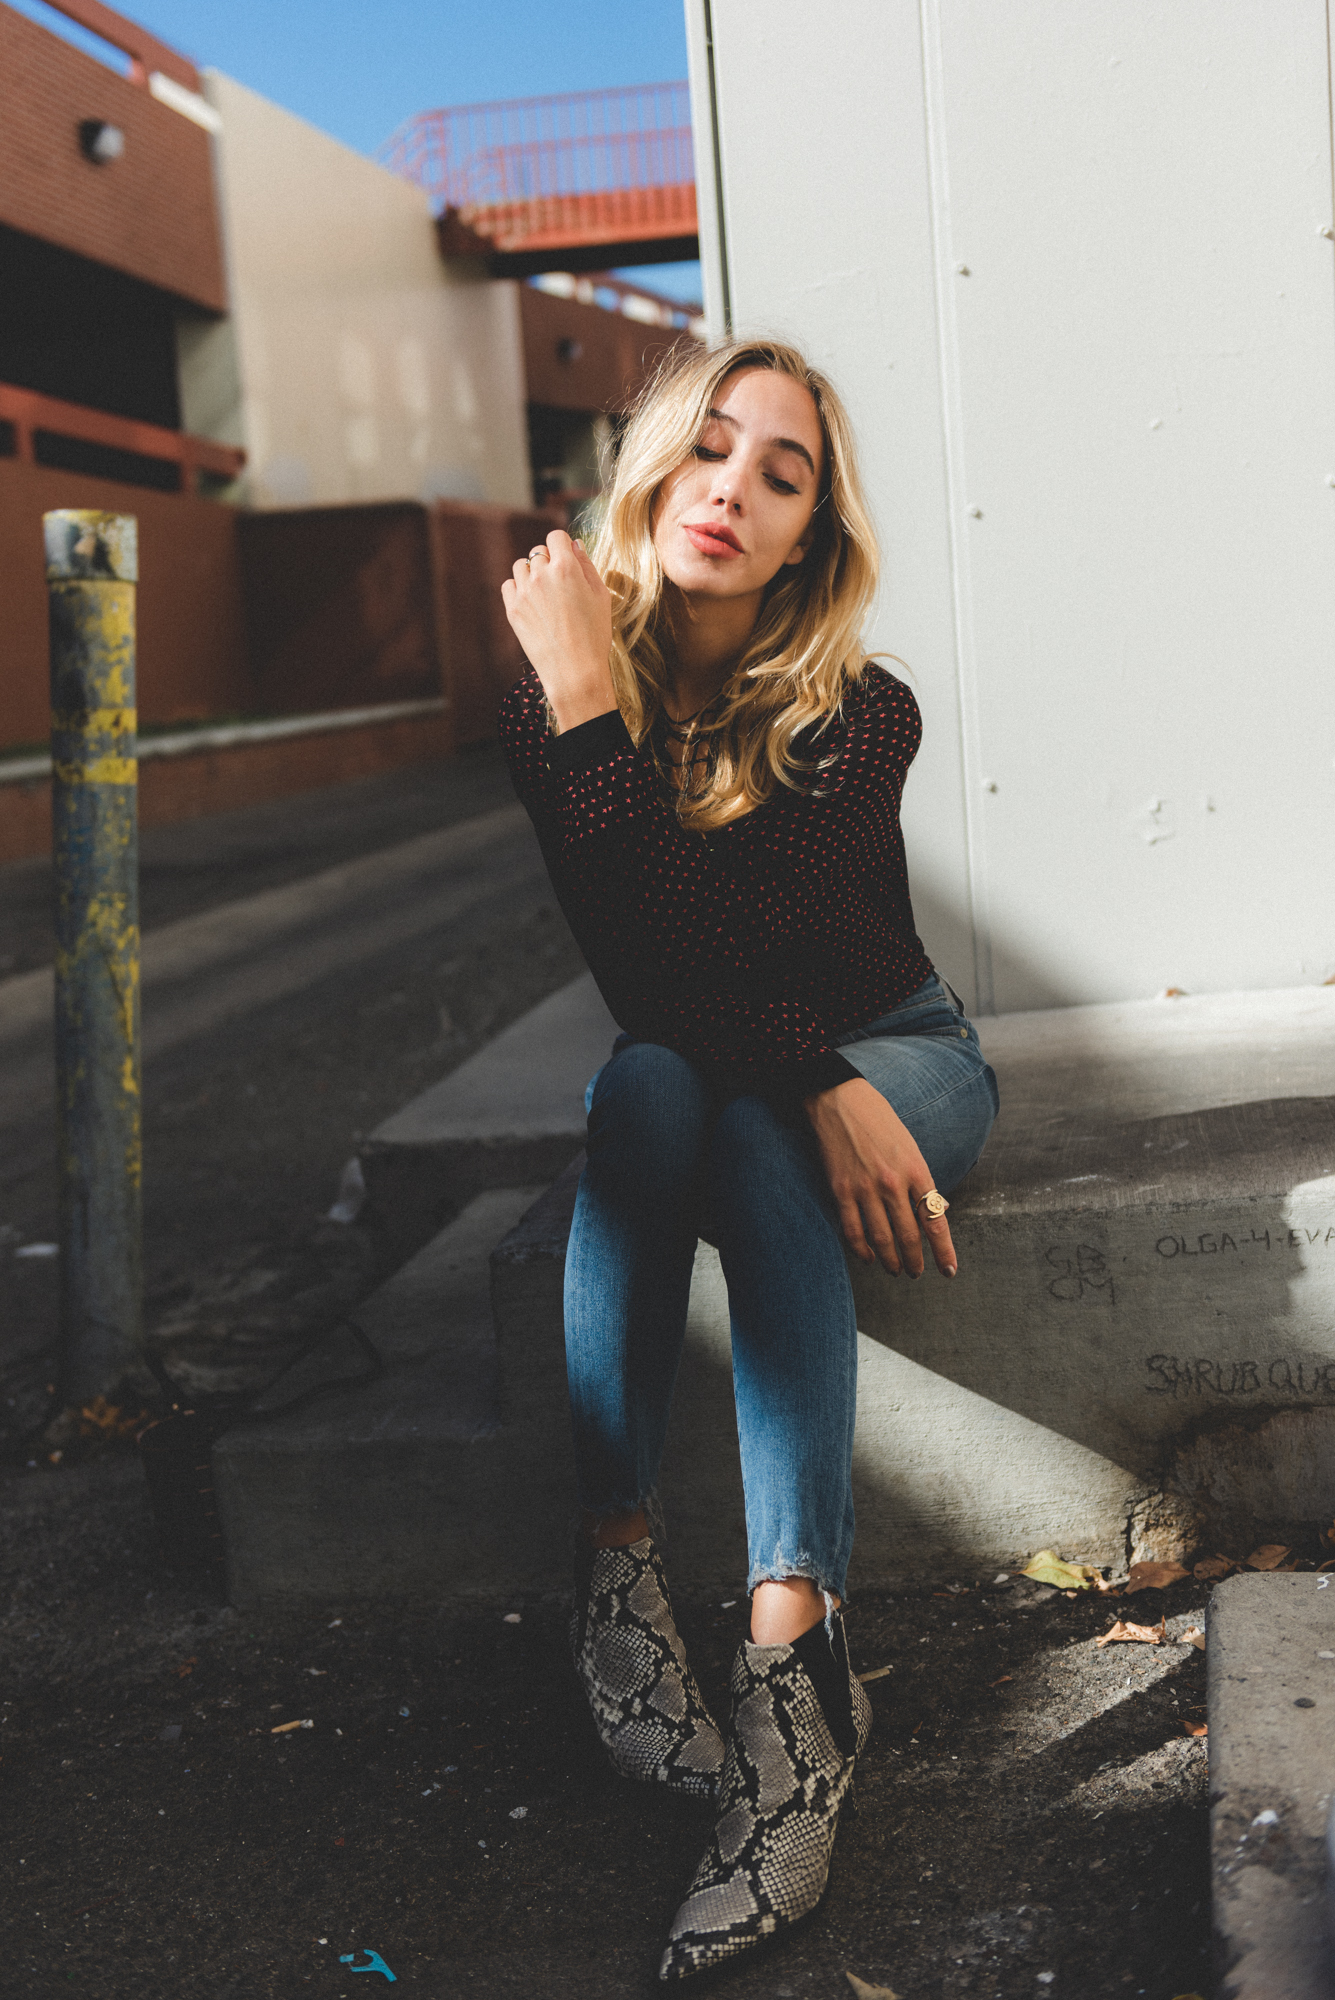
(1204, 1375)
(1219, 1243)
(1080, 1269)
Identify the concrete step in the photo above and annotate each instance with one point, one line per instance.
(391, 1489)
(1140, 1335)
(512, 1113)
(1272, 1784)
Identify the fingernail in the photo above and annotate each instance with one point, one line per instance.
(952, 1270)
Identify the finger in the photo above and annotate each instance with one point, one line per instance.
(586, 562)
(906, 1229)
(937, 1231)
(850, 1221)
(559, 543)
(522, 570)
(882, 1235)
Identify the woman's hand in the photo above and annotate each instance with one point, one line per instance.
(876, 1173)
(560, 610)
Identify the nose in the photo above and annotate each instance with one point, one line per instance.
(728, 488)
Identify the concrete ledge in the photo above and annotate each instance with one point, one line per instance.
(1141, 1339)
(1272, 1781)
(1142, 1336)
(512, 1113)
(396, 1488)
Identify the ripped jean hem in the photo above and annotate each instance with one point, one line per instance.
(780, 1571)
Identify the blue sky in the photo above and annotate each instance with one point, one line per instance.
(358, 68)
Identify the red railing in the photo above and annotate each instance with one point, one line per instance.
(554, 172)
(30, 417)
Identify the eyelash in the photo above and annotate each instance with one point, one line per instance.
(716, 458)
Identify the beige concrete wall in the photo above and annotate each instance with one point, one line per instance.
(356, 365)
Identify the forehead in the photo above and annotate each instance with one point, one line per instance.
(771, 405)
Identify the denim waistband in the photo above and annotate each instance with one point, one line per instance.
(934, 1008)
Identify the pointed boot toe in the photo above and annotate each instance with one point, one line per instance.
(788, 1769)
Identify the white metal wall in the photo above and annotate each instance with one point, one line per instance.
(1071, 263)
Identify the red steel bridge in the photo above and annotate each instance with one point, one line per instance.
(573, 183)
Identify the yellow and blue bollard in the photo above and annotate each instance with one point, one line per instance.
(92, 572)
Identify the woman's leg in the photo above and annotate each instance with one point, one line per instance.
(628, 1271)
(800, 1717)
(794, 1350)
(628, 1278)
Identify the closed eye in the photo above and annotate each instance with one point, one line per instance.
(711, 457)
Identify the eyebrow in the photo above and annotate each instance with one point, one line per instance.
(784, 444)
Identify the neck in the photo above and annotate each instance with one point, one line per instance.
(709, 636)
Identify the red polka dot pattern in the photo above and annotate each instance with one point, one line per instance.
(751, 949)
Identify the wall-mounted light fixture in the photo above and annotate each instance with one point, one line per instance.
(99, 142)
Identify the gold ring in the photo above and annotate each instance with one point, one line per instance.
(935, 1204)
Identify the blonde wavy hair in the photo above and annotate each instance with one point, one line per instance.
(806, 647)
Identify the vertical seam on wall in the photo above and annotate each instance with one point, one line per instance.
(1330, 126)
(952, 427)
(725, 280)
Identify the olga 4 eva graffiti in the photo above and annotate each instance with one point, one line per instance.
(1206, 1376)
(1219, 1243)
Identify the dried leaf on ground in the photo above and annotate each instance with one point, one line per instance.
(1193, 1636)
(1144, 1635)
(1154, 1576)
(1197, 1728)
(865, 1991)
(1211, 1568)
(1269, 1556)
(1048, 1567)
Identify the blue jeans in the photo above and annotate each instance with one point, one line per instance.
(668, 1160)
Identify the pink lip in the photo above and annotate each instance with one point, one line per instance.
(712, 541)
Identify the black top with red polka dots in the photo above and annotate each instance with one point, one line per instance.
(751, 949)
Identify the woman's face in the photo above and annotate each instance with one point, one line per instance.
(740, 508)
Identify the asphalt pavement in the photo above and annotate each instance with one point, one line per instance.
(310, 965)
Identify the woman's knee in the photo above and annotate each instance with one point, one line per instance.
(763, 1169)
(648, 1107)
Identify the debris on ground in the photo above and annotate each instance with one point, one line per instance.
(1154, 1576)
(1144, 1635)
(1271, 1555)
(1048, 1567)
(865, 1991)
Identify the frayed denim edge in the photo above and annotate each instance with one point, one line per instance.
(780, 1571)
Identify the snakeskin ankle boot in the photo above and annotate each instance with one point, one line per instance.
(646, 1706)
(799, 1721)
